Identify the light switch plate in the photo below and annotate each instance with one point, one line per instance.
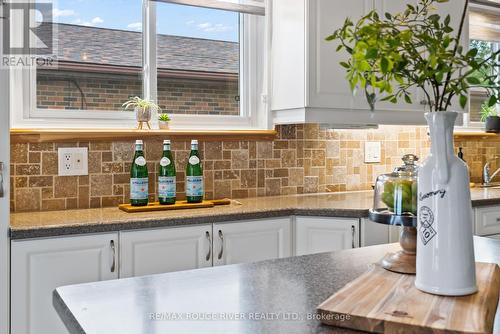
(372, 151)
(73, 161)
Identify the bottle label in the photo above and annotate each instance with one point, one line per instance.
(140, 161)
(164, 162)
(194, 186)
(194, 160)
(166, 186)
(139, 188)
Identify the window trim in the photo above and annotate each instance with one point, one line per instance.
(246, 6)
(254, 110)
(471, 125)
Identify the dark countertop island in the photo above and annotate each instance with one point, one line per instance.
(276, 296)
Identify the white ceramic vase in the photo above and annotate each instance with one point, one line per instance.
(445, 246)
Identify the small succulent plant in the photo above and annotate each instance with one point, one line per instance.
(164, 117)
(487, 111)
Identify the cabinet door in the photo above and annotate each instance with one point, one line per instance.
(251, 241)
(288, 67)
(454, 9)
(487, 221)
(148, 252)
(41, 265)
(394, 233)
(373, 233)
(417, 95)
(325, 234)
(327, 85)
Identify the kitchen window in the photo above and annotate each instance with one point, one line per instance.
(484, 34)
(203, 65)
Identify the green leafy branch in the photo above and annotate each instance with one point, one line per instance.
(390, 56)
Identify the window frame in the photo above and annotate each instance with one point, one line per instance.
(252, 85)
(468, 124)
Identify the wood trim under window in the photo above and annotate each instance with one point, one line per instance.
(76, 135)
(476, 135)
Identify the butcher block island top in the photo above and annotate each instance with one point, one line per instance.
(383, 301)
(344, 204)
(276, 296)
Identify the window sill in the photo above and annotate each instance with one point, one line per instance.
(478, 134)
(74, 135)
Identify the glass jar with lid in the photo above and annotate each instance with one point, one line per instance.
(395, 203)
(395, 198)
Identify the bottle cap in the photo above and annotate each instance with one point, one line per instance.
(194, 142)
(166, 141)
(138, 142)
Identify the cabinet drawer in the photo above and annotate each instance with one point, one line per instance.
(487, 220)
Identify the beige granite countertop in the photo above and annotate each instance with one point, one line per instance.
(347, 204)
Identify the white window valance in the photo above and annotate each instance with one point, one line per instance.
(241, 6)
(484, 21)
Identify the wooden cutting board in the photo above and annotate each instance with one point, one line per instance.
(179, 205)
(381, 301)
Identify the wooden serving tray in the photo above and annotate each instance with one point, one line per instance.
(179, 205)
(381, 301)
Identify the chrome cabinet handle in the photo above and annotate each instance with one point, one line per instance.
(353, 234)
(209, 255)
(2, 193)
(221, 236)
(113, 250)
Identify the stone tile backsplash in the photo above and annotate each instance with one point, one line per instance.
(302, 159)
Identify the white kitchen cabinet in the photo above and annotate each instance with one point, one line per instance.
(308, 83)
(487, 221)
(252, 240)
(39, 266)
(454, 9)
(418, 96)
(394, 233)
(325, 234)
(373, 233)
(148, 252)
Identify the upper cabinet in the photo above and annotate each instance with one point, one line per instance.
(308, 83)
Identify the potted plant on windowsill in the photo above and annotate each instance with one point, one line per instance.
(144, 110)
(163, 120)
(388, 56)
(490, 118)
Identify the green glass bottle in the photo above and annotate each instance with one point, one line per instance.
(194, 176)
(139, 191)
(166, 176)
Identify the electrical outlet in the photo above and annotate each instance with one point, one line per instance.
(372, 151)
(73, 161)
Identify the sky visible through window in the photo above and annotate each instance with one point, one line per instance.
(172, 19)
